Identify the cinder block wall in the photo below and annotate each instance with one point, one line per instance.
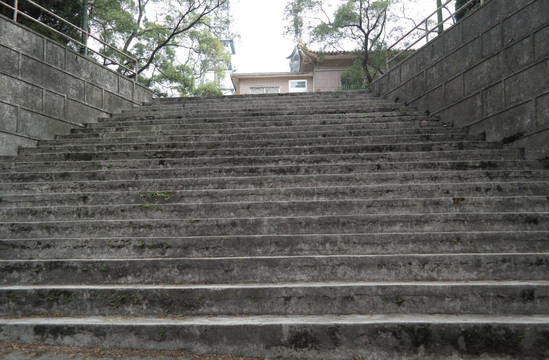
(489, 72)
(47, 89)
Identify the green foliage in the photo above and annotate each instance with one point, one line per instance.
(354, 77)
(460, 3)
(177, 42)
(359, 23)
(69, 10)
(208, 89)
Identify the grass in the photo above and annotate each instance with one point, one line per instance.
(153, 156)
(157, 195)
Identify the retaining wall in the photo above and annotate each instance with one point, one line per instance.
(47, 89)
(489, 72)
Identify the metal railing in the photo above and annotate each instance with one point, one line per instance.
(84, 45)
(427, 30)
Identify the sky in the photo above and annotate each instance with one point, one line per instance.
(261, 46)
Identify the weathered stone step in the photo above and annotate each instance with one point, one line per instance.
(107, 172)
(484, 157)
(404, 116)
(187, 211)
(298, 337)
(267, 110)
(263, 142)
(297, 269)
(350, 298)
(280, 225)
(380, 191)
(239, 116)
(212, 127)
(184, 136)
(288, 97)
(255, 131)
(259, 102)
(265, 150)
(176, 121)
(275, 182)
(128, 247)
(260, 98)
(315, 107)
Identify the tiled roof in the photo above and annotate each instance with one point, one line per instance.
(304, 47)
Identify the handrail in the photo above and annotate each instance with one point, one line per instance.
(16, 11)
(427, 30)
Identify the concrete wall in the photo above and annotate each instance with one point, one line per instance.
(47, 89)
(327, 79)
(489, 72)
(246, 83)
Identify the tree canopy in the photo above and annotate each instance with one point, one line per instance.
(359, 24)
(460, 3)
(69, 10)
(177, 42)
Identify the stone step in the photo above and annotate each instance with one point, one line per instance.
(177, 120)
(262, 142)
(456, 191)
(238, 116)
(280, 225)
(319, 106)
(298, 337)
(259, 98)
(184, 136)
(274, 182)
(488, 159)
(18, 163)
(136, 247)
(252, 131)
(277, 125)
(266, 110)
(105, 172)
(171, 117)
(317, 146)
(187, 211)
(327, 298)
(297, 269)
(259, 102)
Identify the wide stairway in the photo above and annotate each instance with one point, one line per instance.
(314, 226)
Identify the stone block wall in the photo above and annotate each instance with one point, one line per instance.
(489, 72)
(47, 89)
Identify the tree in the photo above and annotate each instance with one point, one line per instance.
(69, 10)
(357, 23)
(175, 41)
(460, 3)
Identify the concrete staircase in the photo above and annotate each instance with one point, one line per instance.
(314, 226)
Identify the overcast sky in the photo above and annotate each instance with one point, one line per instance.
(261, 46)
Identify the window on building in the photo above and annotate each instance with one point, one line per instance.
(265, 90)
(298, 86)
